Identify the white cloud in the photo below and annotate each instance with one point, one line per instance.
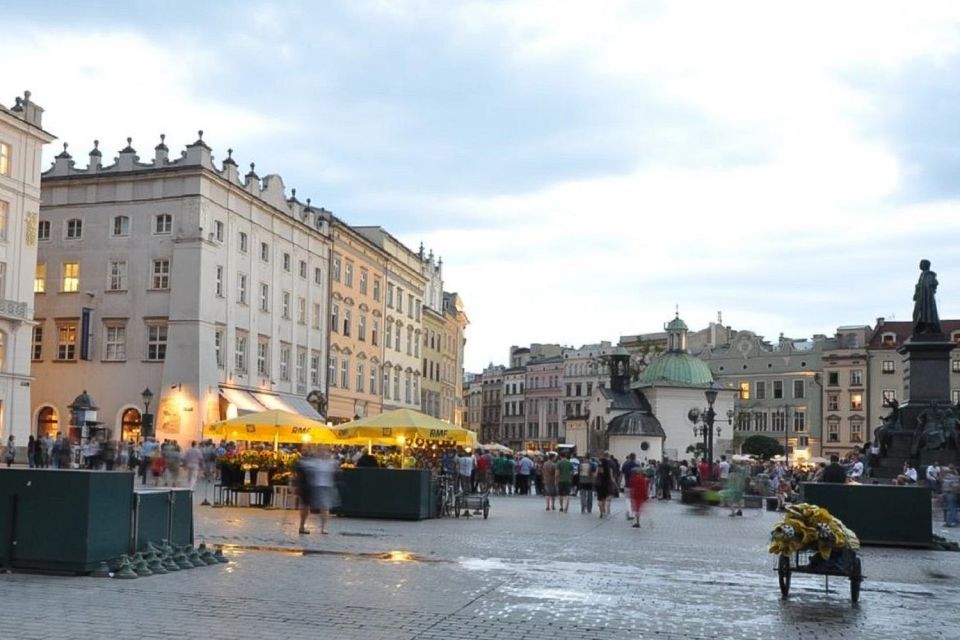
(114, 84)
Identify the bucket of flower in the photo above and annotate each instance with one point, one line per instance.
(811, 540)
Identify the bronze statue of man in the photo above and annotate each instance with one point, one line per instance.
(925, 316)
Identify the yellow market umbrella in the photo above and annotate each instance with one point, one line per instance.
(404, 426)
(272, 426)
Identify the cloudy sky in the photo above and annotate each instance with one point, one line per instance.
(581, 167)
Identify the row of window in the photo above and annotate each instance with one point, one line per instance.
(776, 420)
(515, 431)
(855, 377)
(436, 371)
(117, 276)
(120, 228)
(856, 430)
(396, 302)
(264, 358)
(114, 347)
(342, 271)
(776, 389)
(338, 375)
(579, 389)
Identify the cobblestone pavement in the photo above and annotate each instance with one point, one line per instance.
(523, 573)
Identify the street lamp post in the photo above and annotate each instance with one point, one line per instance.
(147, 421)
(708, 418)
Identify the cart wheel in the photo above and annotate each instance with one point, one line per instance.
(456, 507)
(486, 509)
(856, 577)
(783, 573)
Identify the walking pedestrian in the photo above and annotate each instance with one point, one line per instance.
(565, 476)
(606, 483)
(524, 470)
(548, 471)
(192, 460)
(11, 451)
(31, 452)
(639, 491)
(951, 495)
(587, 474)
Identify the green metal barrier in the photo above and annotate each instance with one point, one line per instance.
(164, 514)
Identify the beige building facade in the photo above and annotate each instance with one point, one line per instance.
(355, 370)
(403, 321)
(453, 346)
(21, 144)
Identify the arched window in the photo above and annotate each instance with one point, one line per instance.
(47, 422)
(130, 424)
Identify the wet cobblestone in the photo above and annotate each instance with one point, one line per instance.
(522, 574)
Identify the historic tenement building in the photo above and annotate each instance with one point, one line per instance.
(357, 338)
(403, 320)
(491, 425)
(544, 402)
(21, 144)
(583, 370)
(452, 346)
(845, 388)
(514, 413)
(180, 275)
(778, 389)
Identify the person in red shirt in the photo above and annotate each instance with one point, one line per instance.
(704, 469)
(638, 494)
(484, 469)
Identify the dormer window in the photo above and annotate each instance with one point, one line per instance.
(888, 339)
(955, 337)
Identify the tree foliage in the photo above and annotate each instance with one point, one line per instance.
(763, 446)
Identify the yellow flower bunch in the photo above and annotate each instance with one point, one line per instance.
(807, 526)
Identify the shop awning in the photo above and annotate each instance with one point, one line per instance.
(288, 403)
(242, 400)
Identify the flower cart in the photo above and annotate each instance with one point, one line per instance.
(810, 540)
(476, 502)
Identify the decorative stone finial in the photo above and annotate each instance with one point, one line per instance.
(252, 174)
(200, 135)
(96, 148)
(229, 159)
(163, 145)
(129, 148)
(293, 193)
(64, 154)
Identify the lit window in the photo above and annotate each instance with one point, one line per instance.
(40, 278)
(115, 343)
(157, 341)
(67, 341)
(744, 390)
(4, 159)
(163, 223)
(121, 226)
(71, 277)
(856, 402)
(74, 228)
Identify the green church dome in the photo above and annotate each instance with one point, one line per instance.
(678, 368)
(676, 325)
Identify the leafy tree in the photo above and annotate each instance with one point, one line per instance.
(763, 446)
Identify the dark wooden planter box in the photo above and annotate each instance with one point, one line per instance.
(64, 521)
(164, 514)
(878, 514)
(396, 494)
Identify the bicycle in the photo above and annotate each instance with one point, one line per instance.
(448, 495)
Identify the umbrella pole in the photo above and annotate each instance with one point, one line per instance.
(370, 446)
(276, 442)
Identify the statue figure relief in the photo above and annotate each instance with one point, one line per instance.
(926, 320)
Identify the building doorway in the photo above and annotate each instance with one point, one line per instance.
(131, 423)
(48, 424)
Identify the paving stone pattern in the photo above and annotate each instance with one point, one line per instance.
(524, 573)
